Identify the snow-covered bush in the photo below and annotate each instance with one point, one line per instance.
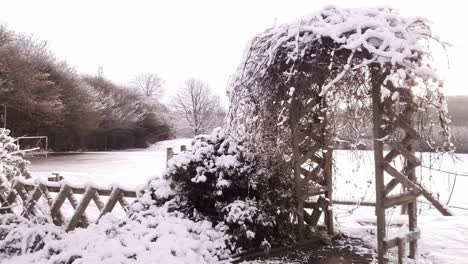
(219, 181)
(12, 163)
(157, 234)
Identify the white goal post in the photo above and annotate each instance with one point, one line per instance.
(36, 146)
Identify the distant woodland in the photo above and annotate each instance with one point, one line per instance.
(44, 96)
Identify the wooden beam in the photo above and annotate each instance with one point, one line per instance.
(114, 197)
(102, 192)
(311, 175)
(57, 203)
(320, 206)
(31, 202)
(309, 154)
(402, 150)
(71, 198)
(390, 186)
(97, 201)
(403, 179)
(443, 209)
(80, 209)
(401, 250)
(410, 236)
(404, 198)
(124, 203)
(394, 153)
(377, 115)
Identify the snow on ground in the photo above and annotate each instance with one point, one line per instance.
(128, 168)
(444, 239)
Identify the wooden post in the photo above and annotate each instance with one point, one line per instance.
(183, 148)
(401, 250)
(328, 171)
(169, 155)
(378, 163)
(412, 207)
(80, 209)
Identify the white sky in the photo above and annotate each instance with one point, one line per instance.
(202, 39)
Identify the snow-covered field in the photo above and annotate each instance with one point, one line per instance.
(444, 239)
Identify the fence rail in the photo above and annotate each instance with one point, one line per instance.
(28, 194)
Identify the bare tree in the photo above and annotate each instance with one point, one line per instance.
(201, 109)
(150, 84)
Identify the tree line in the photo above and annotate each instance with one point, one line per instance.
(45, 96)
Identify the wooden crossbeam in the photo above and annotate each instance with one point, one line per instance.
(97, 201)
(405, 198)
(57, 203)
(77, 190)
(31, 202)
(390, 186)
(403, 179)
(394, 153)
(409, 237)
(113, 198)
(80, 209)
(309, 154)
(71, 198)
(311, 175)
(124, 204)
(402, 150)
(320, 206)
(403, 123)
(443, 209)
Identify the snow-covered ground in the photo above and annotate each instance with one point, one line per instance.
(444, 239)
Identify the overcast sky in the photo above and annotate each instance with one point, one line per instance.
(202, 39)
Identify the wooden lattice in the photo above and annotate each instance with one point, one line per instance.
(28, 194)
(398, 133)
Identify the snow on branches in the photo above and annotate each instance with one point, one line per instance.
(321, 64)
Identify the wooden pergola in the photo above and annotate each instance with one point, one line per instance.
(295, 77)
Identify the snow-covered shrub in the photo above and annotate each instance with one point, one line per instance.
(12, 163)
(157, 234)
(219, 181)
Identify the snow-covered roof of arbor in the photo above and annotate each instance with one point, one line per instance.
(328, 55)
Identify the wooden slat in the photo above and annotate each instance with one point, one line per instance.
(394, 153)
(114, 197)
(311, 175)
(31, 202)
(310, 153)
(71, 198)
(57, 203)
(401, 242)
(410, 236)
(443, 209)
(124, 203)
(390, 186)
(4, 205)
(320, 206)
(404, 198)
(80, 209)
(402, 178)
(403, 123)
(75, 190)
(97, 201)
(404, 152)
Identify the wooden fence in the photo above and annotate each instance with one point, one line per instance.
(27, 194)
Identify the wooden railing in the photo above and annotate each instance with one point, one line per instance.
(27, 194)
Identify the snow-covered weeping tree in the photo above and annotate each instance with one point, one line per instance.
(295, 78)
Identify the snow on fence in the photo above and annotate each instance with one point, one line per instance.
(28, 194)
